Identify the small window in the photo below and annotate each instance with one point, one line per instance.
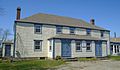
(38, 28)
(50, 45)
(88, 31)
(72, 30)
(102, 34)
(38, 45)
(88, 47)
(58, 29)
(78, 46)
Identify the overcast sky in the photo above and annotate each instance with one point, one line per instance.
(105, 12)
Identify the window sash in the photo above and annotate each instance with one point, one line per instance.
(88, 31)
(88, 46)
(72, 30)
(38, 28)
(38, 45)
(78, 46)
(102, 34)
(58, 29)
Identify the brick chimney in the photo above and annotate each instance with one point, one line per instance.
(18, 13)
(92, 21)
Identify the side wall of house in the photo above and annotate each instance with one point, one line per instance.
(25, 36)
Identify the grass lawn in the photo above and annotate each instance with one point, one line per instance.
(87, 59)
(114, 58)
(30, 65)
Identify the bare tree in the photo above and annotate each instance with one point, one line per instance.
(4, 35)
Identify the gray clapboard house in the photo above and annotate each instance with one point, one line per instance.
(47, 35)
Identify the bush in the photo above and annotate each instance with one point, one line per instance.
(58, 57)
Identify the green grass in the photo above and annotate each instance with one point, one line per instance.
(30, 65)
(87, 59)
(114, 58)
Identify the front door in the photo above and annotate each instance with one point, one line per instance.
(7, 50)
(66, 48)
(98, 49)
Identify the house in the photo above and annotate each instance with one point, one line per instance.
(7, 48)
(115, 46)
(47, 35)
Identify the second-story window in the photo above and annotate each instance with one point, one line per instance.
(102, 34)
(58, 29)
(38, 28)
(88, 31)
(72, 30)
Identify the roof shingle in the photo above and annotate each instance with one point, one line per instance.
(59, 20)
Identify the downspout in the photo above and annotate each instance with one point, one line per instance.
(14, 39)
(53, 49)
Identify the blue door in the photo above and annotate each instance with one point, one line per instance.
(98, 49)
(8, 50)
(66, 48)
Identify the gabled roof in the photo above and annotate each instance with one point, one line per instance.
(72, 36)
(59, 20)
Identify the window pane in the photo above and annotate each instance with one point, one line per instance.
(102, 33)
(72, 30)
(37, 44)
(88, 31)
(78, 46)
(37, 47)
(88, 46)
(38, 28)
(58, 29)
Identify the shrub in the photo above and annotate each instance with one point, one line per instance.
(58, 57)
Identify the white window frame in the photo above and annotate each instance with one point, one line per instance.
(38, 27)
(88, 46)
(78, 45)
(38, 45)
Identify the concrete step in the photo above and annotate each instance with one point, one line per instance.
(70, 59)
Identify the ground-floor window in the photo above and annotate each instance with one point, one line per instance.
(111, 48)
(117, 48)
(50, 45)
(78, 46)
(37, 45)
(88, 46)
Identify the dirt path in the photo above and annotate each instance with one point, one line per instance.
(91, 65)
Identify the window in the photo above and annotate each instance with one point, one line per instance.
(117, 48)
(50, 45)
(78, 46)
(102, 34)
(88, 47)
(58, 29)
(38, 45)
(38, 28)
(72, 30)
(88, 31)
(111, 48)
